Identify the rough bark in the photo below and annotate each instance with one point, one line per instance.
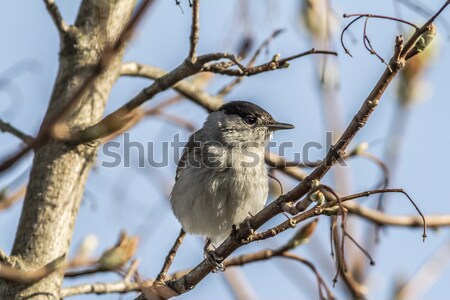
(60, 171)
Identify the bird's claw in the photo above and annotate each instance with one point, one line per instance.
(249, 226)
(215, 260)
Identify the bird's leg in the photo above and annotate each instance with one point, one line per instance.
(234, 230)
(248, 228)
(212, 257)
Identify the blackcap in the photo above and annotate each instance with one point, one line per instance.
(221, 177)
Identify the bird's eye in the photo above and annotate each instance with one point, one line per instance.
(250, 119)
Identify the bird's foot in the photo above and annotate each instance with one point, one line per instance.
(212, 257)
(215, 260)
(248, 228)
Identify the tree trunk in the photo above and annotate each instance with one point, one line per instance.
(59, 171)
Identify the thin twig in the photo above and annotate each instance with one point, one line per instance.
(18, 275)
(131, 270)
(274, 64)
(7, 200)
(87, 271)
(384, 168)
(366, 253)
(226, 89)
(195, 28)
(381, 17)
(367, 16)
(368, 44)
(280, 252)
(102, 288)
(54, 12)
(171, 255)
(358, 291)
(343, 32)
(188, 89)
(383, 219)
(6, 127)
(313, 268)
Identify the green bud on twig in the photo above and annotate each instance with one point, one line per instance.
(302, 235)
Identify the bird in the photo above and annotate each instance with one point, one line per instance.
(221, 177)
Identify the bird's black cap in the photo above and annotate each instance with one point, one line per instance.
(245, 108)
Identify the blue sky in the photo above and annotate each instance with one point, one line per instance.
(133, 198)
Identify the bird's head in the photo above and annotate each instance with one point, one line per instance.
(242, 122)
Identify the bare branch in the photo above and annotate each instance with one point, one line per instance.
(367, 16)
(358, 291)
(84, 272)
(185, 88)
(281, 164)
(269, 253)
(361, 248)
(171, 255)
(195, 28)
(54, 12)
(102, 288)
(274, 64)
(381, 17)
(313, 268)
(132, 270)
(226, 89)
(379, 218)
(9, 200)
(5, 127)
(299, 238)
(17, 275)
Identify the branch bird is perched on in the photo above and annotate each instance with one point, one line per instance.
(221, 177)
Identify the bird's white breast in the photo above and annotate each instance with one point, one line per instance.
(209, 200)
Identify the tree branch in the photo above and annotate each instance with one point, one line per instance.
(195, 28)
(53, 10)
(226, 89)
(102, 288)
(282, 253)
(186, 88)
(6, 127)
(170, 257)
(7, 200)
(20, 276)
(274, 64)
(379, 218)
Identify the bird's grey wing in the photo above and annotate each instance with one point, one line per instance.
(189, 149)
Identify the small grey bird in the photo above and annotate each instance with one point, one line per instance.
(221, 177)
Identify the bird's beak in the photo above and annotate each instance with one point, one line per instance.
(279, 126)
